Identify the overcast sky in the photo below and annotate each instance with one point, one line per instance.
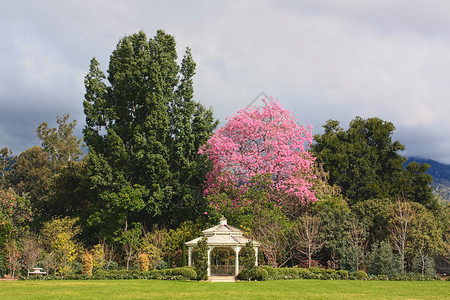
(321, 59)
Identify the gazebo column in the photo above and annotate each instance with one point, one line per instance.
(189, 256)
(209, 260)
(256, 255)
(236, 269)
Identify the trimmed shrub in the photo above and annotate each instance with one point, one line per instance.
(313, 276)
(161, 265)
(288, 273)
(246, 274)
(343, 274)
(155, 274)
(303, 272)
(143, 261)
(361, 275)
(201, 261)
(260, 274)
(271, 272)
(317, 270)
(187, 273)
(248, 256)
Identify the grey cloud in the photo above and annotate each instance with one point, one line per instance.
(322, 60)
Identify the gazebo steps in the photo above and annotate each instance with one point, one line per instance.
(222, 278)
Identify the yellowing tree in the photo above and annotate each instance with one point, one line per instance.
(58, 237)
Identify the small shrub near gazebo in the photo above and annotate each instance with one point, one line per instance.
(201, 263)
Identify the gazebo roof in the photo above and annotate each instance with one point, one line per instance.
(223, 235)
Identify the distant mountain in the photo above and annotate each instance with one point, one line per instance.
(440, 173)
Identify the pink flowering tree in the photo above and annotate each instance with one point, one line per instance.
(256, 142)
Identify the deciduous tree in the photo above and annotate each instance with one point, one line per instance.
(259, 141)
(307, 236)
(58, 237)
(60, 143)
(32, 249)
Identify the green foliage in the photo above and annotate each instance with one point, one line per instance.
(364, 162)
(15, 216)
(144, 130)
(59, 143)
(129, 238)
(154, 243)
(303, 272)
(161, 265)
(375, 215)
(382, 260)
(186, 231)
(201, 261)
(343, 274)
(246, 274)
(272, 272)
(317, 270)
(424, 265)
(58, 237)
(67, 196)
(248, 256)
(187, 273)
(31, 176)
(350, 257)
(361, 275)
(98, 256)
(261, 274)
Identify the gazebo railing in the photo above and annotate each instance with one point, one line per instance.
(223, 270)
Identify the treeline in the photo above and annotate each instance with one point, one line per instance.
(345, 201)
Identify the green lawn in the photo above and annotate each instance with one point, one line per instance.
(280, 289)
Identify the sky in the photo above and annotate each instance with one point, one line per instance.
(321, 59)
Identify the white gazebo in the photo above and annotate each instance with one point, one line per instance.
(223, 236)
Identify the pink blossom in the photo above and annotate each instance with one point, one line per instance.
(257, 141)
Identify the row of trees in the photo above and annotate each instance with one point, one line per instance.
(156, 174)
(364, 205)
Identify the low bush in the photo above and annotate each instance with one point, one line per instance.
(343, 274)
(246, 274)
(272, 273)
(303, 272)
(361, 275)
(261, 274)
(313, 276)
(187, 273)
(317, 270)
(256, 273)
(288, 273)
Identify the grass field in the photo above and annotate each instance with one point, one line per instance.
(280, 289)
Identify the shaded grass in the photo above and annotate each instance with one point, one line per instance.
(280, 289)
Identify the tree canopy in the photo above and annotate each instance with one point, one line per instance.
(365, 162)
(143, 130)
(259, 141)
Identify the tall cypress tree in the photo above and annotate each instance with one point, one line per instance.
(143, 130)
